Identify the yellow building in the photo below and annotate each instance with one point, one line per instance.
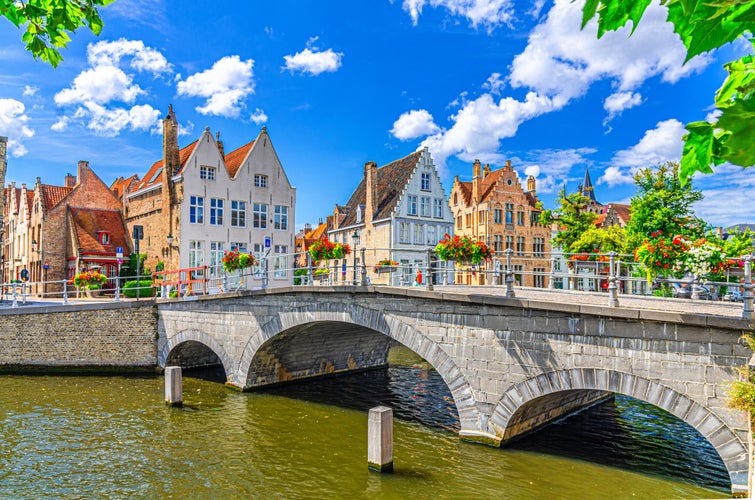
(496, 209)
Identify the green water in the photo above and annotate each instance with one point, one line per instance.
(113, 437)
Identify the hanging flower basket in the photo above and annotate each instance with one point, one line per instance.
(237, 260)
(89, 280)
(462, 249)
(386, 266)
(321, 274)
(325, 250)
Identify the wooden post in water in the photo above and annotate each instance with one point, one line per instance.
(173, 386)
(380, 439)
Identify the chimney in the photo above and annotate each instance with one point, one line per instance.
(371, 191)
(531, 184)
(171, 157)
(220, 144)
(83, 171)
(486, 170)
(307, 227)
(70, 180)
(508, 163)
(476, 181)
(319, 221)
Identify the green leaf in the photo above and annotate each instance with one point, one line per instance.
(697, 154)
(738, 120)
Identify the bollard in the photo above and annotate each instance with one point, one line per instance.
(65, 292)
(380, 439)
(363, 269)
(310, 278)
(747, 296)
(15, 297)
(509, 274)
(117, 289)
(428, 270)
(173, 386)
(613, 299)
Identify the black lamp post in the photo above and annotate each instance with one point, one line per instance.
(355, 240)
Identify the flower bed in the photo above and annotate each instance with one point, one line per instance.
(463, 249)
(325, 250)
(237, 260)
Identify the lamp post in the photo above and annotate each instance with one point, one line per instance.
(355, 241)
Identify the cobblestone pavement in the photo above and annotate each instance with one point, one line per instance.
(714, 308)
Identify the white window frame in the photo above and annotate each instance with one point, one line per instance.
(260, 180)
(207, 173)
(216, 211)
(217, 249)
(238, 213)
(196, 209)
(424, 206)
(403, 232)
(438, 208)
(259, 215)
(196, 256)
(280, 218)
(280, 261)
(425, 181)
(411, 204)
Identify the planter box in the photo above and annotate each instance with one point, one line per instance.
(385, 269)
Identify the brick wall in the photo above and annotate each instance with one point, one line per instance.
(92, 336)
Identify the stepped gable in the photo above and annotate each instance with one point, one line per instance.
(391, 181)
(234, 158)
(88, 222)
(152, 177)
(120, 186)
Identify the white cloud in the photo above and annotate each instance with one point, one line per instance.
(561, 61)
(313, 61)
(728, 196)
(225, 86)
(413, 124)
(551, 167)
(487, 13)
(259, 117)
(93, 92)
(494, 84)
(13, 125)
(30, 90)
(616, 103)
(661, 144)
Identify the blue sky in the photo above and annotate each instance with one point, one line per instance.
(340, 83)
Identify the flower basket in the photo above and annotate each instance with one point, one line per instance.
(325, 250)
(386, 266)
(463, 249)
(235, 260)
(89, 280)
(321, 274)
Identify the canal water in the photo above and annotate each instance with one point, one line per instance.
(113, 437)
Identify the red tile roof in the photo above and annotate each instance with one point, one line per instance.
(89, 222)
(152, 176)
(391, 181)
(234, 158)
(52, 195)
(120, 185)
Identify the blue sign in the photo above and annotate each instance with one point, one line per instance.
(267, 242)
(118, 249)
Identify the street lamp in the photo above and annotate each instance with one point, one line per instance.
(170, 240)
(355, 240)
(33, 245)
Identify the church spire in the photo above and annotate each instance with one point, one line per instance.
(586, 188)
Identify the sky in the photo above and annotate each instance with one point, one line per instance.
(340, 83)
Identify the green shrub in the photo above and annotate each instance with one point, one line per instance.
(146, 290)
(299, 272)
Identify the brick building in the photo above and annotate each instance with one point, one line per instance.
(397, 212)
(496, 209)
(56, 231)
(198, 202)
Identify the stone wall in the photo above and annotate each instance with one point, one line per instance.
(93, 336)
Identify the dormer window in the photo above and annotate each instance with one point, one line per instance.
(103, 237)
(359, 213)
(207, 173)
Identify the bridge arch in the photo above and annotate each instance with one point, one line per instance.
(191, 335)
(712, 427)
(377, 321)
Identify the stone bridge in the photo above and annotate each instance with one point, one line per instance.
(511, 364)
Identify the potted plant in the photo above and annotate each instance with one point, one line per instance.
(90, 282)
(462, 249)
(386, 266)
(325, 250)
(235, 260)
(321, 273)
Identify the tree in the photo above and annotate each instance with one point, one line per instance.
(48, 23)
(610, 239)
(572, 217)
(703, 25)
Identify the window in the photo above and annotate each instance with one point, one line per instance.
(498, 243)
(539, 277)
(196, 257)
(468, 220)
(509, 213)
(207, 173)
(419, 234)
(104, 238)
(238, 213)
(196, 209)
(259, 216)
(259, 252)
(216, 212)
(509, 242)
(538, 247)
(480, 217)
(520, 245)
(406, 272)
(438, 208)
(458, 222)
(281, 218)
(497, 215)
(424, 206)
(216, 258)
(534, 218)
(520, 218)
(238, 247)
(280, 261)
(425, 182)
(403, 232)
(260, 181)
(411, 207)
(431, 240)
